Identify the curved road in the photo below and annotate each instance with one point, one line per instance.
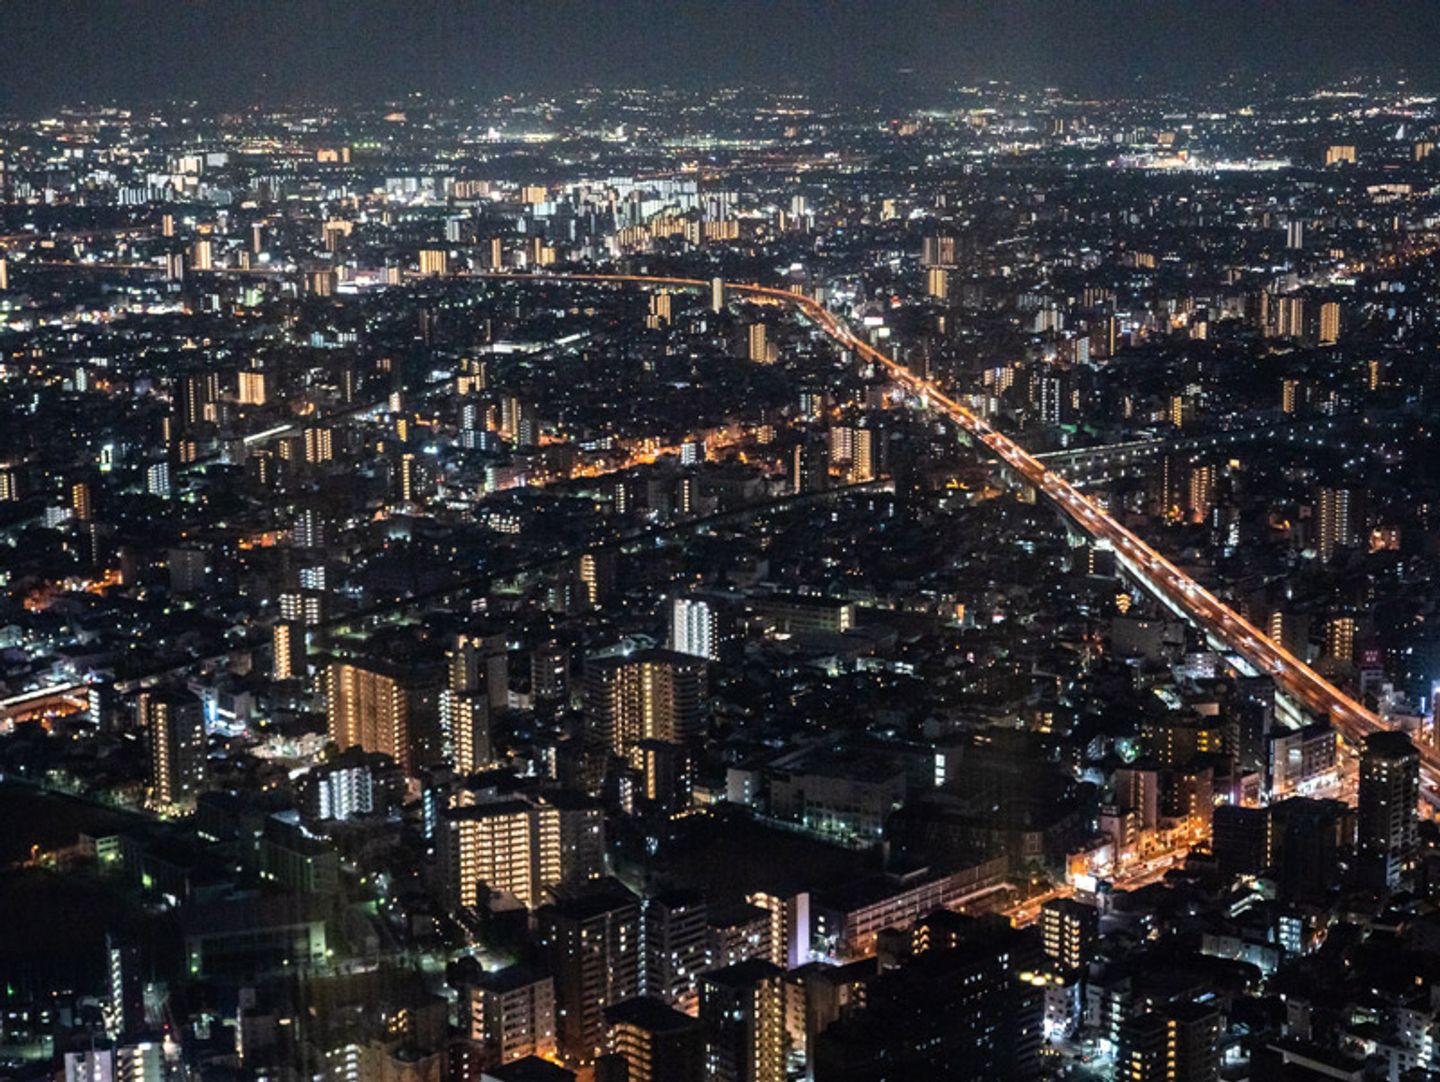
(1351, 719)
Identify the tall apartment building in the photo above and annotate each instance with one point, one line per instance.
(522, 847)
(384, 708)
(742, 1015)
(676, 931)
(591, 941)
(655, 1042)
(511, 1013)
(1387, 826)
(174, 725)
(651, 695)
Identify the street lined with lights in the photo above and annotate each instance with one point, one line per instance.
(1291, 675)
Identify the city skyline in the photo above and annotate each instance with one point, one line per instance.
(722, 547)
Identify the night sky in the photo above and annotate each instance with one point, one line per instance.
(236, 52)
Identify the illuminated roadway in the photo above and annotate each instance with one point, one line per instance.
(1179, 591)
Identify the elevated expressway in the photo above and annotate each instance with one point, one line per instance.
(1224, 628)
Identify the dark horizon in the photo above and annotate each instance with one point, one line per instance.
(272, 52)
